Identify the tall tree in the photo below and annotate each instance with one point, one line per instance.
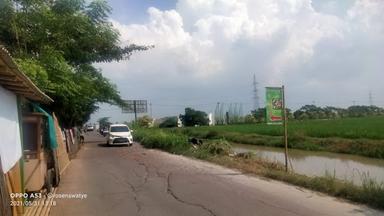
(193, 117)
(56, 43)
(104, 122)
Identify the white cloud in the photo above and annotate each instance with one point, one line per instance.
(215, 46)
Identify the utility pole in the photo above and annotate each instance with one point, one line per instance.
(150, 109)
(256, 104)
(135, 110)
(285, 129)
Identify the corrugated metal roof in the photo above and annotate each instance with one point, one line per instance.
(14, 80)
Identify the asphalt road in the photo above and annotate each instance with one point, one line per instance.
(138, 181)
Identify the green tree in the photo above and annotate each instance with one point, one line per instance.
(56, 43)
(193, 117)
(168, 122)
(104, 122)
(259, 114)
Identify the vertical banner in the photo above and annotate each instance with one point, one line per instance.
(274, 105)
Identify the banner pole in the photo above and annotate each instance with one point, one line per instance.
(285, 130)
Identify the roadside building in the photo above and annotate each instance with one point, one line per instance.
(15, 87)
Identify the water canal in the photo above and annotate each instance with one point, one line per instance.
(311, 163)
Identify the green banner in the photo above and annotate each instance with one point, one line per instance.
(274, 105)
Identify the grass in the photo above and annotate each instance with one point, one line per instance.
(360, 136)
(218, 151)
(371, 127)
(153, 138)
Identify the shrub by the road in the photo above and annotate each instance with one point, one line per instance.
(178, 143)
(157, 138)
(217, 147)
(211, 148)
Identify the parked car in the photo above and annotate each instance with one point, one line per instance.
(119, 134)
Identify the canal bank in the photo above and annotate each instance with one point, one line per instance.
(346, 167)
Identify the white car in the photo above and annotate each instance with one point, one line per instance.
(119, 134)
(90, 128)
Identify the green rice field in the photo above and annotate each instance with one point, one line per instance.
(352, 128)
(360, 136)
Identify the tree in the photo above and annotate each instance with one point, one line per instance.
(56, 43)
(169, 122)
(329, 112)
(259, 114)
(104, 122)
(193, 117)
(311, 112)
(360, 111)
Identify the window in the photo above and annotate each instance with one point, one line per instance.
(119, 129)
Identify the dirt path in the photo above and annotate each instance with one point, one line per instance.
(137, 181)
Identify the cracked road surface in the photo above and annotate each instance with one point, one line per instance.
(137, 181)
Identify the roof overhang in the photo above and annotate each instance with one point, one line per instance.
(14, 80)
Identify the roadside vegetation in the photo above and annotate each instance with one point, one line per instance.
(219, 151)
(361, 136)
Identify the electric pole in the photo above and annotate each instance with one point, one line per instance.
(150, 109)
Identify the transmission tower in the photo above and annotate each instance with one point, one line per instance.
(256, 104)
(370, 99)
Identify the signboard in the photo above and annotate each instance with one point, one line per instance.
(274, 105)
(135, 106)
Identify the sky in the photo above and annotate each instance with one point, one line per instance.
(325, 52)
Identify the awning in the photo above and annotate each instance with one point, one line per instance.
(14, 80)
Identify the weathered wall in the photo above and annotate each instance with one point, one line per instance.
(10, 140)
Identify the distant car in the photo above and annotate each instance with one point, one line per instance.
(90, 128)
(104, 131)
(119, 134)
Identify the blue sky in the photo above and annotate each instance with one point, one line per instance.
(135, 11)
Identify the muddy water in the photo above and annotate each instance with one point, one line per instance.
(342, 166)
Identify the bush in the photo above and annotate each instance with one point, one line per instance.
(144, 121)
(249, 119)
(217, 147)
(156, 138)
